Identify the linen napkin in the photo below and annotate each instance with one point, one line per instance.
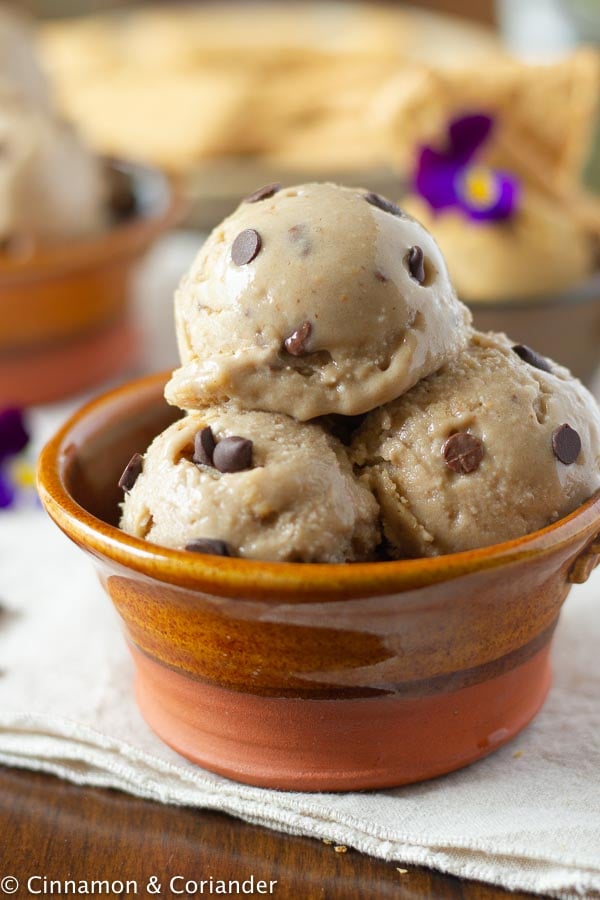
(527, 817)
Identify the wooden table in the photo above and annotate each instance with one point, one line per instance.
(55, 829)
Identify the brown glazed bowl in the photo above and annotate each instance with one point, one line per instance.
(564, 326)
(64, 323)
(315, 677)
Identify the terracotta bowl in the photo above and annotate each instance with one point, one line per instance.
(315, 677)
(563, 326)
(64, 322)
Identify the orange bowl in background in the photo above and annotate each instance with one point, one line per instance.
(315, 677)
(64, 320)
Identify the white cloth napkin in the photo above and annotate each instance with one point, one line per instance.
(527, 817)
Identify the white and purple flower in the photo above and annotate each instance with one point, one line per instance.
(453, 178)
(15, 474)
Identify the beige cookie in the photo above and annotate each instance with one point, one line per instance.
(542, 249)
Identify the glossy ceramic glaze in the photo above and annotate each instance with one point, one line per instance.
(63, 310)
(565, 326)
(319, 677)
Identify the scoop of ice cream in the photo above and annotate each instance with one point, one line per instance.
(51, 185)
(19, 66)
(542, 249)
(313, 300)
(250, 484)
(495, 445)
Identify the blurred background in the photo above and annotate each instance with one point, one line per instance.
(222, 97)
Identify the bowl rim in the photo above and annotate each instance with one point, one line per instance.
(248, 577)
(121, 238)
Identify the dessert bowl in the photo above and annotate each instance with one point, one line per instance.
(564, 326)
(63, 307)
(315, 676)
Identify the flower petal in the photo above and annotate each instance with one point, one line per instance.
(8, 492)
(466, 135)
(435, 179)
(13, 434)
(505, 201)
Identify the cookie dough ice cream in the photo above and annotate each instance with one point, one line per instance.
(250, 484)
(496, 444)
(313, 300)
(51, 186)
(329, 303)
(19, 67)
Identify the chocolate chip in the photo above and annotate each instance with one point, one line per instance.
(296, 343)
(204, 446)
(382, 203)
(416, 264)
(298, 235)
(246, 247)
(209, 545)
(566, 444)
(263, 193)
(233, 454)
(132, 470)
(463, 452)
(530, 356)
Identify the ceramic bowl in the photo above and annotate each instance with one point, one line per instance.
(564, 326)
(64, 322)
(315, 677)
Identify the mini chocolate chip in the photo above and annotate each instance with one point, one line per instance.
(209, 545)
(530, 356)
(299, 235)
(263, 193)
(382, 203)
(416, 264)
(296, 343)
(246, 247)
(566, 444)
(132, 470)
(463, 452)
(233, 454)
(204, 446)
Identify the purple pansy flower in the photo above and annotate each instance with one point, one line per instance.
(13, 439)
(452, 178)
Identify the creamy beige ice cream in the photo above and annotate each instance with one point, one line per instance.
(19, 66)
(313, 300)
(250, 484)
(496, 444)
(51, 186)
